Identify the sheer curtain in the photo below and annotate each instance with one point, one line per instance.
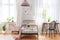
(51, 10)
(8, 9)
(38, 12)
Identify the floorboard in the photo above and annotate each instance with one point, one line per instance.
(42, 37)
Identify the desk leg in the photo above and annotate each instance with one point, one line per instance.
(37, 37)
(42, 28)
(57, 29)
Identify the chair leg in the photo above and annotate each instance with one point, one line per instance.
(54, 32)
(57, 29)
(49, 33)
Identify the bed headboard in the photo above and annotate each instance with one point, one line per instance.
(24, 22)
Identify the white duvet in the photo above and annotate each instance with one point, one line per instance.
(6, 38)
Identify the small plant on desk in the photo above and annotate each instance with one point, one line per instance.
(12, 19)
(49, 19)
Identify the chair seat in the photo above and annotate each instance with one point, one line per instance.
(51, 28)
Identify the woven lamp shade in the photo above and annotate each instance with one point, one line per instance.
(25, 3)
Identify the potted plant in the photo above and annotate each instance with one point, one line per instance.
(4, 28)
(9, 19)
(49, 19)
(12, 19)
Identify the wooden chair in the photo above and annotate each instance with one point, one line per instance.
(52, 28)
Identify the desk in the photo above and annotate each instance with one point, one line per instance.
(47, 25)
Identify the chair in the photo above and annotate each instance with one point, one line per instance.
(52, 27)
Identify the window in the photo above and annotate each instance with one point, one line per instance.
(51, 8)
(8, 9)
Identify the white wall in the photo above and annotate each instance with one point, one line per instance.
(30, 14)
(21, 16)
(19, 12)
(59, 10)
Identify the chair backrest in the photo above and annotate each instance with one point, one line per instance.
(53, 24)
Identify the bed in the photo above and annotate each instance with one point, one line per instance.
(29, 29)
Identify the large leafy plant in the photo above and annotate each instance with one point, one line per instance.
(10, 19)
(44, 14)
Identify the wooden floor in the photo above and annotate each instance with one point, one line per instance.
(41, 37)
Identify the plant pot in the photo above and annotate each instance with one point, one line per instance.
(3, 32)
(48, 20)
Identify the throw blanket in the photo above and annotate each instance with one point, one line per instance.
(6, 38)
